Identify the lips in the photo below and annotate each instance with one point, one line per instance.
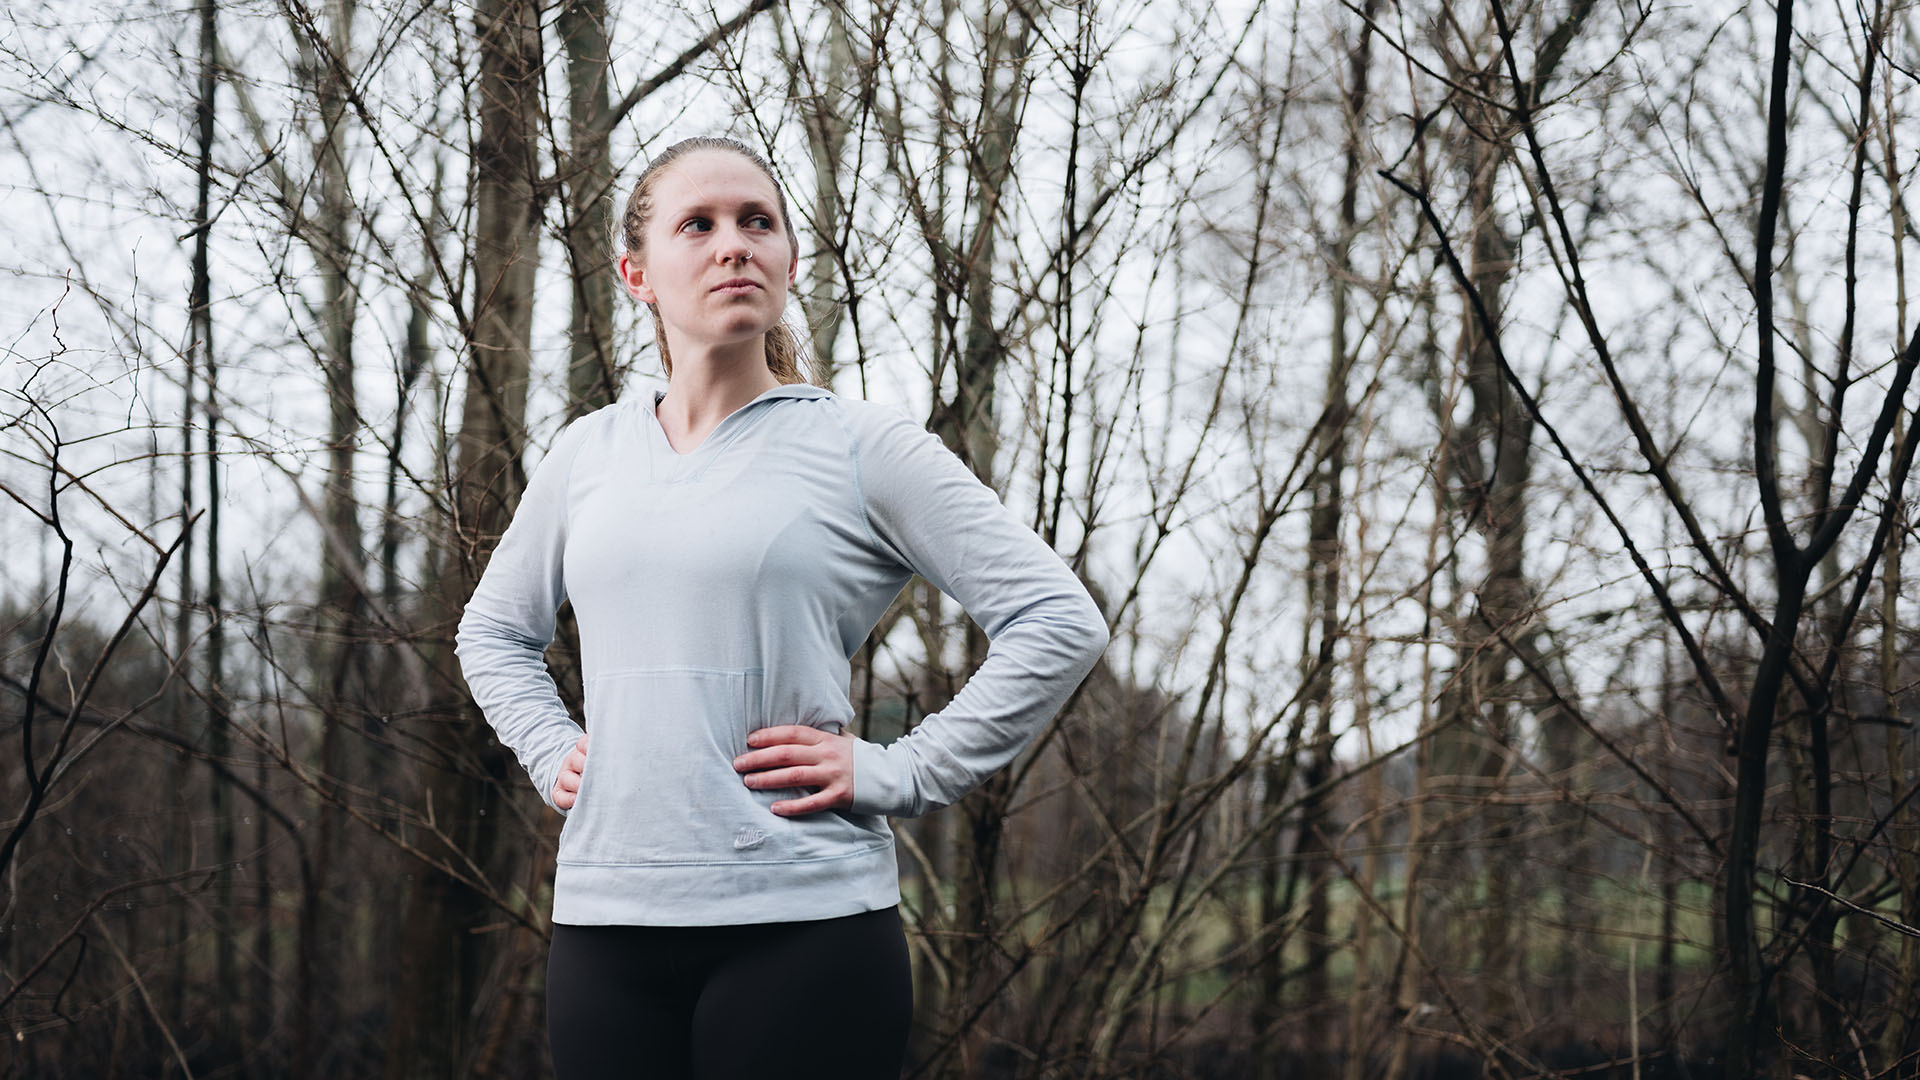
(736, 285)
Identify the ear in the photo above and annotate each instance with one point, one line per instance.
(634, 277)
(793, 270)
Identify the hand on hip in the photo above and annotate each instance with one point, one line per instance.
(566, 786)
(797, 755)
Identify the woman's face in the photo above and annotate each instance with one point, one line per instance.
(718, 259)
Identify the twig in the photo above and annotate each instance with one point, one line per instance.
(141, 985)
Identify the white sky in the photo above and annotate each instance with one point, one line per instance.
(96, 195)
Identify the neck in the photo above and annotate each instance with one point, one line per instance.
(711, 381)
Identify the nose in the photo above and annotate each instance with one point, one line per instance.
(732, 247)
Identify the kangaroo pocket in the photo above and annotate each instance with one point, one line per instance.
(659, 784)
(831, 833)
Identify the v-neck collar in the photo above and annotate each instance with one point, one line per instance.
(784, 390)
(682, 466)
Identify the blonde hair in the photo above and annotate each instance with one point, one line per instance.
(784, 355)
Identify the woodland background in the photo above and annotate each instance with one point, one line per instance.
(1486, 425)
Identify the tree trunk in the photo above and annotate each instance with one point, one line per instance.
(1325, 561)
(1433, 711)
(264, 991)
(829, 118)
(1752, 981)
(969, 426)
(436, 998)
(591, 373)
(1903, 833)
(201, 328)
(339, 618)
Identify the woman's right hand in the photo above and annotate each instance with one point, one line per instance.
(566, 787)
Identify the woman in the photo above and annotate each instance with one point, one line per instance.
(725, 895)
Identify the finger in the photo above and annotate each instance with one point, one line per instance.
(570, 781)
(824, 799)
(563, 798)
(794, 777)
(785, 733)
(775, 756)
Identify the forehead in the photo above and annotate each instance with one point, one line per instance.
(713, 178)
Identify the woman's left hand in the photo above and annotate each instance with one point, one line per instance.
(797, 755)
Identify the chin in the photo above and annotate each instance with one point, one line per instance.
(729, 331)
(746, 331)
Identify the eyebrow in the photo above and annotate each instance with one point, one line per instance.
(750, 206)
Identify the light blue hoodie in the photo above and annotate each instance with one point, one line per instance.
(726, 589)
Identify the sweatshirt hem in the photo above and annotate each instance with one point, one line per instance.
(720, 894)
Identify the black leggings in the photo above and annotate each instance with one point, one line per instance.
(823, 998)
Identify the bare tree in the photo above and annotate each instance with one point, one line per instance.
(1480, 696)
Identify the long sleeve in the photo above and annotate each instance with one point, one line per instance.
(509, 622)
(1045, 632)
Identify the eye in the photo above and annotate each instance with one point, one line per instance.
(760, 221)
(698, 224)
